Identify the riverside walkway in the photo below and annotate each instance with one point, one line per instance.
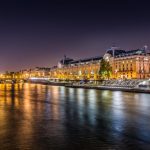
(115, 85)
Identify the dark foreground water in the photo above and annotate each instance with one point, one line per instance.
(41, 117)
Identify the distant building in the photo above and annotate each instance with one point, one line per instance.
(35, 72)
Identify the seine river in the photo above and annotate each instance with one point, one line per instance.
(43, 117)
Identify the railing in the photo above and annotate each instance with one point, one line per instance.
(122, 83)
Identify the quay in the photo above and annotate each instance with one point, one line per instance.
(134, 86)
(124, 89)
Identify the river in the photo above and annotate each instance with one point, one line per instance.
(43, 117)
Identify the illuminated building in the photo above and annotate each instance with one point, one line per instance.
(70, 69)
(133, 64)
(35, 72)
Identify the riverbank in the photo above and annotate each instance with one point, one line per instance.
(97, 87)
(50, 83)
(124, 89)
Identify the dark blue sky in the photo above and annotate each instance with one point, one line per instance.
(39, 33)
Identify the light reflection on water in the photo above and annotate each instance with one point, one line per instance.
(34, 116)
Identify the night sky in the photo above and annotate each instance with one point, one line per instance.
(39, 33)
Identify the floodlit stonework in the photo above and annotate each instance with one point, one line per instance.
(133, 64)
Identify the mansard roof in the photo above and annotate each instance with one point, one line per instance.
(86, 60)
(116, 52)
(132, 52)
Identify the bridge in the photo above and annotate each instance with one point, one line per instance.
(18, 80)
(12, 80)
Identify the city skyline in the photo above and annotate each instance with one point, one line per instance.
(65, 57)
(74, 74)
(39, 33)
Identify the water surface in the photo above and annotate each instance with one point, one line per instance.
(43, 117)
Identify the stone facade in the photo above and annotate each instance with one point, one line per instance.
(133, 64)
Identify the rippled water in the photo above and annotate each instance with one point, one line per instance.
(42, 117)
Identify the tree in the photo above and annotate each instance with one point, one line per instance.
(105, 69)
